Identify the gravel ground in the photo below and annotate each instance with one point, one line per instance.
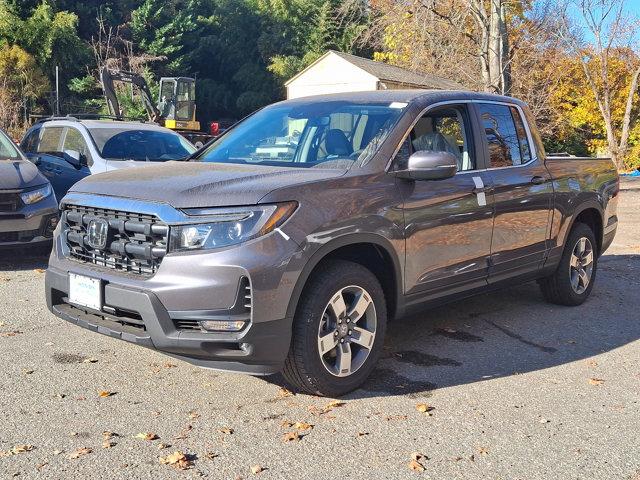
(520, 390)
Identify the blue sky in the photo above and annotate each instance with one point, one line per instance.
(631, 6)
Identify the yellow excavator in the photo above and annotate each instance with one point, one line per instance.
(176, 107)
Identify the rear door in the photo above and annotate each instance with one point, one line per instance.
(448, 222)
(522, 192)
(48, 156)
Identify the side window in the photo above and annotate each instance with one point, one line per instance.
(50, 141)
(74, 140)
(30, 142)
(506, 135)
(523, 140)
(442, 130)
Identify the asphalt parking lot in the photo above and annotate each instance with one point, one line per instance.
(518, 389)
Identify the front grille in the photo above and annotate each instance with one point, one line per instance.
(136, 242)
(10, 202)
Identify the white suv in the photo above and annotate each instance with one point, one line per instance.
(66, 149)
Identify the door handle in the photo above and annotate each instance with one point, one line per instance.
(538, 180)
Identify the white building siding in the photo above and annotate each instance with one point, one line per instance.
(332, 74)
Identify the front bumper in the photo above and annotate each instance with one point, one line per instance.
(29, 225)
(260, 349)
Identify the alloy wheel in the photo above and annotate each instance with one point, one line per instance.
(347, 331)
(581, 265)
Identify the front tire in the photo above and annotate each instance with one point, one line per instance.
(573, 280)
(338, 330)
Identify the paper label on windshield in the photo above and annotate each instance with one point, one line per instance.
(398, 104)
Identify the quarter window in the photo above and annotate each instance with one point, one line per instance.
(506, 135)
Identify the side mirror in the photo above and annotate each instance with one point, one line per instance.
(428, 165)
(73, 157)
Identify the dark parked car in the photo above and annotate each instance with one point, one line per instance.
(67, 149)
(290, 242)
(28, 207)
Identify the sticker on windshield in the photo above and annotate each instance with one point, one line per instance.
(398, 104)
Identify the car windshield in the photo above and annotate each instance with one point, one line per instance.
(140, 145)
(8, 150)
(321, 134)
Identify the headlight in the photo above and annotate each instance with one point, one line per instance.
(228, 226)
(34, 196)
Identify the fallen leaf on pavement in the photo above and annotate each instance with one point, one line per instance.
(80, 452)
(302, 426)
(12, 333)
(39, 270)
(424, 408)
(226, 430)
(593, 363)
(184, 433)
(596, 381)
(416, 466)
(177, 460)
(256, 469)
(57, 452)
(283, 393)
(28, 372)
(105, 393)
(108, 444)
(90, 360)
(483, 451)
(362, 434)
(16, 450)
(211, 455)
(147, 436)
(291, 437)
(162, 446)
(395, 417)
(107, 434)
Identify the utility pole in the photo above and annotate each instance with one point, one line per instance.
(57, 94)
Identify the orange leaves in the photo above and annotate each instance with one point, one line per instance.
(178, 460)
(80, 452)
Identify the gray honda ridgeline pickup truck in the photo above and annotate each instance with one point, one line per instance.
(290, 242)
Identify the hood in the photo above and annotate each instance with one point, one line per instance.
(195, 184)
(15, 174)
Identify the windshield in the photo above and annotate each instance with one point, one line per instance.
(140, 145)
(318, 134)
(8, 150)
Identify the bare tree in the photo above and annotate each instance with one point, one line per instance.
(444, 36)
(611, 28)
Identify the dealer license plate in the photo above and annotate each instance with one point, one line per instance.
(85, 291)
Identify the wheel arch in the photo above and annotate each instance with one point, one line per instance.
(358, 248)
(591, 214)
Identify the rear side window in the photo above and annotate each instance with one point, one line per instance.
(506, 135)
(50, 140)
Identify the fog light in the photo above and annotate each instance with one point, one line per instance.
(51, 225)
(223, 325)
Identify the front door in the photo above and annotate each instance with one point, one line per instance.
(448, 222)
(523, 193)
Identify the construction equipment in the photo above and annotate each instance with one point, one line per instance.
(176, 107)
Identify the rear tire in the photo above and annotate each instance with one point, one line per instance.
(575, 276)
(342, 312)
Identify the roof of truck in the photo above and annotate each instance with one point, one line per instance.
(402, 96)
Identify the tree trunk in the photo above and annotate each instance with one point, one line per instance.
(626, 121)
(495, 47)
(505, 53)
